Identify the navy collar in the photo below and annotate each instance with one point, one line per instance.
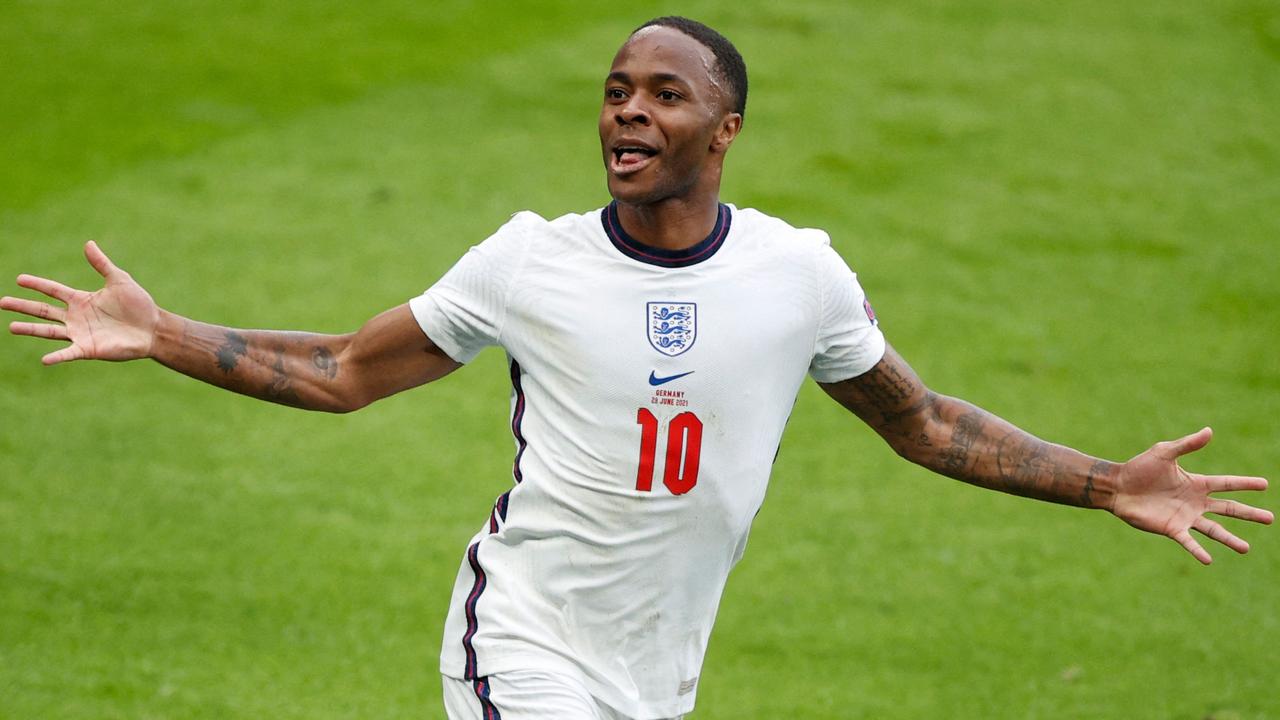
(661, 257)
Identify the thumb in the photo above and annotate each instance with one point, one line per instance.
(1174, 449)
(66, 354)
(99, 260)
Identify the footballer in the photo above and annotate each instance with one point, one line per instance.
(655, 348)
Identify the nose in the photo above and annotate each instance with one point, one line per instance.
(633, 113)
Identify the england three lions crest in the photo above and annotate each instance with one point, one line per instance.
(673, 326)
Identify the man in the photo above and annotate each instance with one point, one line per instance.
(643, 450)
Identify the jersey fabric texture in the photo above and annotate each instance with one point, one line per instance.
(524, 695)
(650, 392)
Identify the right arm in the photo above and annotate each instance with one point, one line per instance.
(334, 373)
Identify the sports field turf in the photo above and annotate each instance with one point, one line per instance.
(1065, 212)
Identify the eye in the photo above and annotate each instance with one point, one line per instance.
(615, 93)
(668, 95)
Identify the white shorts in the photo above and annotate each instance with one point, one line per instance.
(524, 695)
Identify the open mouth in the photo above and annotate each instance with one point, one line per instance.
(630, 158)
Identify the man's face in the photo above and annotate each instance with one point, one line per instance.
(665, 123)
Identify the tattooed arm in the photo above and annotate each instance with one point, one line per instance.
(336, 373)
(956, 439)
(959, 440)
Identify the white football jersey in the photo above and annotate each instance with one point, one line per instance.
(650, 392)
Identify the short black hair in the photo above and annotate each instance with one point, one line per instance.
(728, 62)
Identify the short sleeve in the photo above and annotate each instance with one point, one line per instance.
(464, 311)
(849, 341)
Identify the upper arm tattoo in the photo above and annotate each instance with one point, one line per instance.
(325, 364)
(889, 391)
(891, 399)
(886, 394)
(884, 386)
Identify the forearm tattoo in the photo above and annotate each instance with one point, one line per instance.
(228, 354)
(1099, 470)
(961, 441)
(1026, 465)
(265, 364)
(968, 428)
(281, 388)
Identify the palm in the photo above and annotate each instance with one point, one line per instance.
(1156, 495)
(114, 323)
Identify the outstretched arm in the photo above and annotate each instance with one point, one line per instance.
(336, 373)
(954, 438)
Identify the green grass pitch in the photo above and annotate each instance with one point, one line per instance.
(1067, 213)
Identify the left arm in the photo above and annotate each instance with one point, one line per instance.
(959, 440)
(954, 438)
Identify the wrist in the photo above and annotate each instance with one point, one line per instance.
(1102, 484)
(167, 333)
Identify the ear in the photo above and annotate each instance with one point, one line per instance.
(729, 128)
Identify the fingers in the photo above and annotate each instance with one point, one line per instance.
(1173, 449)
(1185, 540)
(43, 330)
(1222, 483)
(53, 289)
(99, 260)
(1240, 511)
(51, 332)
(71, 352)
(1214, 531)
(41, 310)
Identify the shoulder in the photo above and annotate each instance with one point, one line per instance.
(529, 226)
(767, 229)
(514, 238)
(522, 224)
(777, 241)
(810, 248)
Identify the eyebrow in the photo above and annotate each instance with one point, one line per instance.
(622, 77)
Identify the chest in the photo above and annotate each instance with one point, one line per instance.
(612, 324)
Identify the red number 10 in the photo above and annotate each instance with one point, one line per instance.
(684, 445)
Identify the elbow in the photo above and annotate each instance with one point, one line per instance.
(346, 403)
(909, 450)
(915, 452)
(354, 405)
(349, 391)
(913, 436)
(917, 446)
(339, 409)
(341, 399)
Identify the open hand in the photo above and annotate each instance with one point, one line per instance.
(1154, 494)
(117, 322)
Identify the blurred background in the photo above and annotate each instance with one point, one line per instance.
(1064, 212)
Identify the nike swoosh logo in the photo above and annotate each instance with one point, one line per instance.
(655, 380)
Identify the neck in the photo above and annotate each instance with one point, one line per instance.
(671, 224)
